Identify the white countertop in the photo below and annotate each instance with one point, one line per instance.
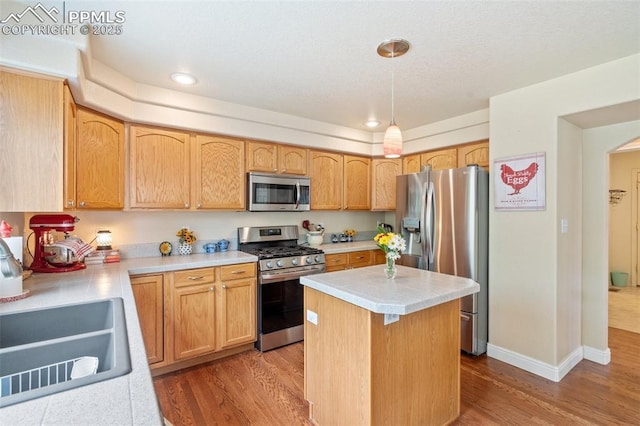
(125, 400)
(412, 290)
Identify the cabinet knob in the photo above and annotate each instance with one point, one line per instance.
(275, 169)
(70, 203)
(224, 286)
(212, 288)
(284, 170)
(82, 203)
(198, 206)
(186, 205)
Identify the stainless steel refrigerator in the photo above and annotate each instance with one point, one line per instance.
(444, 217)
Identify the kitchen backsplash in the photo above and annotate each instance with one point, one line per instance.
(139, 233)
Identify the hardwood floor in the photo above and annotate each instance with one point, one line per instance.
(624, 308)
(267, 389)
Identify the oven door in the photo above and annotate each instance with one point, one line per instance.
(281, 308)
(277, 193)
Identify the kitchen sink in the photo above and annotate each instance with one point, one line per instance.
(50, 350)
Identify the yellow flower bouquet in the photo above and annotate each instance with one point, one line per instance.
(186, 236)
(393, 245)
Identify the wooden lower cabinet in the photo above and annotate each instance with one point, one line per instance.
(148, 292)
(352, 259)
(196, 313)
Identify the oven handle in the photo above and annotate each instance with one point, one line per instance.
(274, 278)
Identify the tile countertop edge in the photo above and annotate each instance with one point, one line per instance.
(413, 289)
(94, 283)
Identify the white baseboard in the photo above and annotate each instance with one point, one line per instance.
(597, 355)
(548, 371)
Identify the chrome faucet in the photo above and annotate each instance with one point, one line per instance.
(9, 266)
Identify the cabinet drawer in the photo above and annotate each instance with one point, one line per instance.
(359, 258)
(234, 272)
(194, 276)
(339, 259)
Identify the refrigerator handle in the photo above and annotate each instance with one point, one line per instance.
(427, 228)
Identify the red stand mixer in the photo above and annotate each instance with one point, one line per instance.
(47, 257)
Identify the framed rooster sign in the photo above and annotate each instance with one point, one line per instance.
(519, 182)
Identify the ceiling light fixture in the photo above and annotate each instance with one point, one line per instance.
(183, 78)
(392, 143)
(372, 123)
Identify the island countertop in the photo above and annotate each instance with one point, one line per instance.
(411, 291)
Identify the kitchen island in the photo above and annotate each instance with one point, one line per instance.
(380, 351)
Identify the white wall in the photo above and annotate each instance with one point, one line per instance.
(528, 287)
(623, 169)
(597, 144)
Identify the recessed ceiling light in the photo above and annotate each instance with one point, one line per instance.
(183, 78)
(372, 123)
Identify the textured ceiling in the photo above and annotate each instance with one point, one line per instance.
(318, 59)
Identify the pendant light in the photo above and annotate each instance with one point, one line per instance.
(392, 142)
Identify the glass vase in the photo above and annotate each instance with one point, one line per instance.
(390, 270)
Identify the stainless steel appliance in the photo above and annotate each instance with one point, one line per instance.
(281, 263)
(270, 192)
(444, 217)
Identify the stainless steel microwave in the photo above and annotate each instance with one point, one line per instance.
(275, 193)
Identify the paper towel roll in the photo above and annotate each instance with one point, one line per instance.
(15, 245)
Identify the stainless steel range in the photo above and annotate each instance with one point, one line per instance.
(281, 263)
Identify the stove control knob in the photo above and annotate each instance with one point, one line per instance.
(317, 259)
(269, 264)
(309, 260)
(294, 262)
(279, 264)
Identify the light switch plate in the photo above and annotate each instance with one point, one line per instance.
(312, 317)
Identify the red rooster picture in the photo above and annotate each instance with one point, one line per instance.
(518, 179)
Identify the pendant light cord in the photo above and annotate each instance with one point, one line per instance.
(393, 115)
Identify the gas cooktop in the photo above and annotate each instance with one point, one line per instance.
(277, 252)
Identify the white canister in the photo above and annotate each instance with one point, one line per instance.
(10, 287)
(315, 238)
(15, 245)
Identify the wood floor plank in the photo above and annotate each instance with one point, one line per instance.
(254, 388)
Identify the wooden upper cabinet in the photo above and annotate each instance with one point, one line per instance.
(292, 160)
(476, 153)
(31, 142)
(357, 183)
(70, 141)
(99, 161)
(274, 158)
(411, 164)
(441, 159)
(218, 173)
(326, 173)
(160, 169)
(383, 179)
(262, 157)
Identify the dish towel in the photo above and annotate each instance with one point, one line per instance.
(77, 247)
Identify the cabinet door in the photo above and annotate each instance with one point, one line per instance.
(441, 159)
(292, 160)
(99, 161)
(31, 139)
(379, 257)
(383, 176)
(237, 312)
(262, 157)
(148, 293)
(70, 141)
(194, 321)
(160, 168)
(411, 164)
(357, 183)
(477, 153)
(219, 178)
(326, 173)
